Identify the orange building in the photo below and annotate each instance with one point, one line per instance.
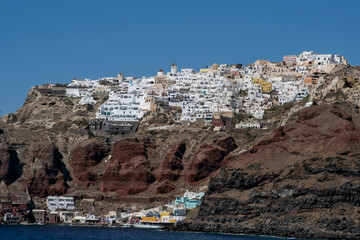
(149, 219)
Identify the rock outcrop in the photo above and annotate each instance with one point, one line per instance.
(303, 180)
(50, 108)
(210, 158)
(10, 166)
(85, 160)
(129, 171)
(49, 174)
(173, 165)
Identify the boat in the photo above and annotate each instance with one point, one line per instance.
(151, 226)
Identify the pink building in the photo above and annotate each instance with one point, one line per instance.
(290, 58)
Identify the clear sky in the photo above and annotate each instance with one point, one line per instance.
(55, 41)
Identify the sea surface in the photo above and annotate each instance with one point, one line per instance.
(19, 232)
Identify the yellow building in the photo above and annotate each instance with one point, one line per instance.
(265, 86)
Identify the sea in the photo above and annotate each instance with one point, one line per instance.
(51, 232)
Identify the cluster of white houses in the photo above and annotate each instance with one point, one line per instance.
(128, 102)
(321, 61)
(221, 88)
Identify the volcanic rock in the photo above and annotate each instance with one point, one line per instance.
(49, 174)
(85, 159)
(129, 171)
(172, 165)
(209, 158)
(303, 180)
(10, 166)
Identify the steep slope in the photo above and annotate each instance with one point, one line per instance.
(303, 180)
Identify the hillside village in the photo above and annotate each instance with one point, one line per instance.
(203, 96)
(207, 94)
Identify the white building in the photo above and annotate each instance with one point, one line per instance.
(247, 125)
(320, 59)
(128, 103)
(60, 203)
(87, 99)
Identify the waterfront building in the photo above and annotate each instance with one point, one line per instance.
(189, 200)
(66, 216)
(39, 215)
(88, 219)
(187, 203)
(54, 217)
(60, 203)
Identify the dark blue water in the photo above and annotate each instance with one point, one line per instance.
(17, 232)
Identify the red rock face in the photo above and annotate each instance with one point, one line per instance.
(129, 171)
(172, 164)
(320, 131)
(85, 159)
(50, 175)
(137, 166)
(10, 167)
(209, 158)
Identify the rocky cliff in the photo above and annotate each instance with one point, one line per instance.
(302, 180)
(45, 148)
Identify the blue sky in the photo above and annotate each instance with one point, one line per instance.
(55, 41)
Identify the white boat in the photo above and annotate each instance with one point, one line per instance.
(152, 226)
